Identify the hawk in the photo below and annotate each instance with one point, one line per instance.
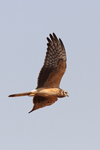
(48, 91)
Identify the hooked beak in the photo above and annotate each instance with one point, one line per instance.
(67, 95)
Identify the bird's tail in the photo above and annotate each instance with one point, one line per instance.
(20, 94)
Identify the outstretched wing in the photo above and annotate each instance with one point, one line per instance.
(54, 65)
(40, 102)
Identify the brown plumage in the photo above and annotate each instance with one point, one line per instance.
(54, 67)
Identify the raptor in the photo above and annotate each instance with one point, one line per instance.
(48, 90)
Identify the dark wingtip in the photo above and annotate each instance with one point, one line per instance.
(55, 37)
(48, 40)
(54, 34)
(31, 111)
(51, 37)
(61, 42)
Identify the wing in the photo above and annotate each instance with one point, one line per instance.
(40, 102)
(54, 65)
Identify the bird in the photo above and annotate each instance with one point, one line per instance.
(48, 91)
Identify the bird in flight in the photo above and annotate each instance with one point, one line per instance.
(48, 91)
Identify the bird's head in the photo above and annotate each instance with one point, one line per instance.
(63, 93)
(66, 93)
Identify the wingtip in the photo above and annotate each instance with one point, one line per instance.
(31, 111)
(61, 42)
(54, 34)
(48, 40)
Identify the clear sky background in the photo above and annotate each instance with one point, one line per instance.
(72, 123)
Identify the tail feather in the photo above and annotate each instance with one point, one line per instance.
(20, 94)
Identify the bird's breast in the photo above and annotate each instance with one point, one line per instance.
(45, 92)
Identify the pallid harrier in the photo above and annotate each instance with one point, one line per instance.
(48, 91)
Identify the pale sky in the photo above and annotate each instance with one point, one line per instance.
(72, 123)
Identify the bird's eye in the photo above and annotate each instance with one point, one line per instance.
(65, 92)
